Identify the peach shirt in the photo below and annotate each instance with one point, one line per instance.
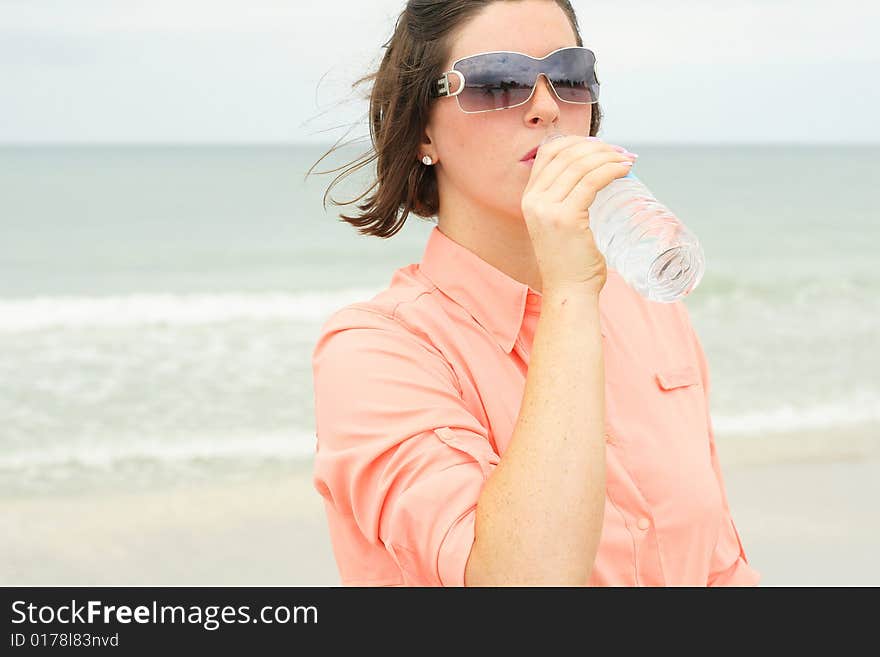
(417, 393)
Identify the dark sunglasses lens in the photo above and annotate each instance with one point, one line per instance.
(573, 75)
(500, 80)
(494, 81)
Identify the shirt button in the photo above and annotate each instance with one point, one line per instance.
(644, 523)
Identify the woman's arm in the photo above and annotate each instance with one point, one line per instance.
(540, 513)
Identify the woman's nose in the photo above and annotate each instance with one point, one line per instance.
(543, 101)
(543, 93)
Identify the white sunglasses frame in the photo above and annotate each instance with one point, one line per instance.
(442, 84)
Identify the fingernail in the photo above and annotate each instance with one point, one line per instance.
(593, 139)
(628, 163)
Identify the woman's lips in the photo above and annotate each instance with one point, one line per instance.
(530, 155)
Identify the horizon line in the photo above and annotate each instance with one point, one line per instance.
(289, 144)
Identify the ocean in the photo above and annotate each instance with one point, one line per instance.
(159, 304)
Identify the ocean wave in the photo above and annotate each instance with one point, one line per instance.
(279, 448)
(860, 408)
(179, 309)
(41, 313)
(722, 288)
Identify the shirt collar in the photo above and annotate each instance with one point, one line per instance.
(495, 300)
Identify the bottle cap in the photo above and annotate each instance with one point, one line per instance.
(555, 133)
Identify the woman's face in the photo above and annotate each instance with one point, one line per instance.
(478, 155)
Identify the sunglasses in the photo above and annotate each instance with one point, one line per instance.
(502, 79)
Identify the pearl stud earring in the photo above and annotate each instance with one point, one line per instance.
(427, 160)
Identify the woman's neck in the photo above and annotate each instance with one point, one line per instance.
(502, 241)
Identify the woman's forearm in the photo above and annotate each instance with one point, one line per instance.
(540, 513)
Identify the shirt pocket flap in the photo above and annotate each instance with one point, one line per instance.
(476, 447)
(678, 376)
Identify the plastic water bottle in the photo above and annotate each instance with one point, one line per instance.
(652, 250)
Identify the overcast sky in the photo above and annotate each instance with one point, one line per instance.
(249, 70)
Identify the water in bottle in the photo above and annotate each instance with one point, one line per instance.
(652, 250)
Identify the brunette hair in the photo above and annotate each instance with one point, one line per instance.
(399, 105)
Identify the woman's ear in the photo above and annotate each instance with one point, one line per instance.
(427, 152)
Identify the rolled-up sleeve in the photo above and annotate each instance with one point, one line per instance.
(398, 450)
(728, 564)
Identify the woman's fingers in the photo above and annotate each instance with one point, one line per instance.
(583, 193)
(580, 169)
(554, 157)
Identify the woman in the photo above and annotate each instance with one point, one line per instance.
(508, 411)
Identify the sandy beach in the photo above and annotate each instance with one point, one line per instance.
(804, 521)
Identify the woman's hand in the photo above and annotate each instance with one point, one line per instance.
(566, 175)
